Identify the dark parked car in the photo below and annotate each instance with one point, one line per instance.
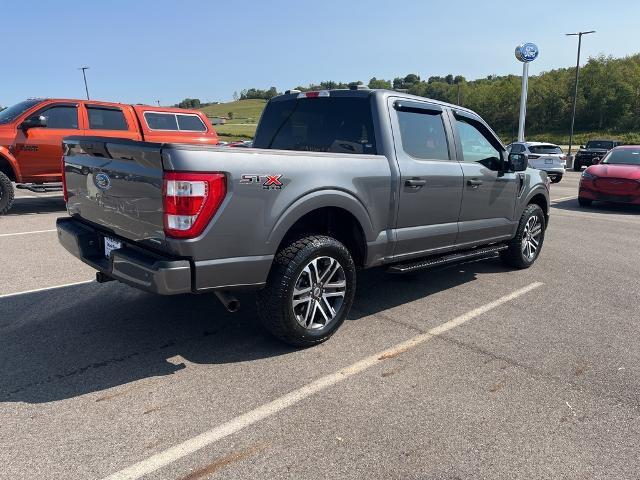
(595, 149)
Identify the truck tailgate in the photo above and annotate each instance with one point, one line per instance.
(117, 185)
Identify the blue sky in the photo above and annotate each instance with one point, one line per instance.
(141, 51)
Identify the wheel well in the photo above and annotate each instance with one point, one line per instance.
(334, 222)
(541, 201)
(7, 169)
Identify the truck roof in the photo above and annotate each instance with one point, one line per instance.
(102, 102)
(366, 92)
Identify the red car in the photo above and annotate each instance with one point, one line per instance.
(615, 178)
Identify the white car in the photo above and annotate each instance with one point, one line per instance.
(543, 156)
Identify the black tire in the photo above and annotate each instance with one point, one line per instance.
(514, 255)
(584, 202)
(6, 193)
(275, 301)
(577, 166)
(556, 178)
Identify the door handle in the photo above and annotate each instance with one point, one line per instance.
(474, 183)
(415, 183)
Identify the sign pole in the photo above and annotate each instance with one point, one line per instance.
(523, 100)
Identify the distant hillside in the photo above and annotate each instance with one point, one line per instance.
(242, 110)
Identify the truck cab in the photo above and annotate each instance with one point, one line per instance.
(31, 134)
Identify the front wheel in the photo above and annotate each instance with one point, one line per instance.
(6, 193)
(309, 291)
(577, 166)
(556, 178)
(525, 247)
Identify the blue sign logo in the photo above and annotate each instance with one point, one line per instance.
(102, 181)
(527, 52)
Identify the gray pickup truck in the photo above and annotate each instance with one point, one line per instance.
(335, 180)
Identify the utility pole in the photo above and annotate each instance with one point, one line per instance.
(84, 75)
(575, 92)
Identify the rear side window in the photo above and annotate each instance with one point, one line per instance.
(190, 123)
(545, 149)
(323, 124)
(101, 118)
(423, 135)
(62, 117)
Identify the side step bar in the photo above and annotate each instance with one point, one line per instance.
(454, 257)
(40, 187)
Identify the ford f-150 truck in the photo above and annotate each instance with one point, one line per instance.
(335, 180)
(31, 134)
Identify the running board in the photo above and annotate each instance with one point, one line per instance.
(455, 257)
(40, 187)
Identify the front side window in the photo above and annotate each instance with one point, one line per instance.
(423, 135)
(476, 147)
(101, 118)
(191, 123)
(60, 116)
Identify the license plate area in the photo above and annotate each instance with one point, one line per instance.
(548, 161)
(111, 244)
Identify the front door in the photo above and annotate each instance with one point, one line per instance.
(430, 190)
(39, 149)
(489, 196)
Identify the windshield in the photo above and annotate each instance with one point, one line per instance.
(10, 114)
(600, 144)
(626, 156)
(545, 149)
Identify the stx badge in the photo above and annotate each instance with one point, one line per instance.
(269, 182)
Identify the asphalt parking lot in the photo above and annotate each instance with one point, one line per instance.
(474, 371)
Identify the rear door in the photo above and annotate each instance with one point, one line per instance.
(430, 178)
(489, 193)
(111, 121)
(39, 149)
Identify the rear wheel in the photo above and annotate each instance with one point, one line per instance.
(556, 178)
(584, 202)
(525, 247)
(577, 166)
(6, 193)
(309, 291)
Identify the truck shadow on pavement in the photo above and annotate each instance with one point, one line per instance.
(30, 205)
(76, 340)
(597, 207)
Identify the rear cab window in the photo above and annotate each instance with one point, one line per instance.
(545, 149)
(106, 118)
(179, 122)
(335, 123)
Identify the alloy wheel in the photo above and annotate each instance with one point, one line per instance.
(531, 237)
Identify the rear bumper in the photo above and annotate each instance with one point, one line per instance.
(141, 269)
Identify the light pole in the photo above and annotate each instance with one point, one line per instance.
(525, 53)
(84, 75)
(575, 92)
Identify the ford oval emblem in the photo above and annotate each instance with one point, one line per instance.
(527, 52)
(102, 181)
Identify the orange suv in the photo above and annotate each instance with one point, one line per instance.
(31, 134)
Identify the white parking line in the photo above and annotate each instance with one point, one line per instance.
(563, 198)
(6, 295)
(236, 424)
(26, 233)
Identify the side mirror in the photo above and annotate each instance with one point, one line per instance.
(518, 162)
(34, 122)
(596, 160)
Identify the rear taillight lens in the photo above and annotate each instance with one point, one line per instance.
(190, 200)
(65, 195)
(533, 157)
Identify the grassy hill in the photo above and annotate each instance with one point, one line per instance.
(246, 114)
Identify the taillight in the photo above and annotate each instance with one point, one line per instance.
(65, 195)
(533, 157)
(190, 200)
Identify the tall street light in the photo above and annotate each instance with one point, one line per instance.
(84, 75)
(575, 92)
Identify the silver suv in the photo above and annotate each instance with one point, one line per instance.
(543, 156)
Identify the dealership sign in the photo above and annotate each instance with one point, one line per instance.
(527, 52)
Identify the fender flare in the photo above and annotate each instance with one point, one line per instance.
(542, 191)
(314, 201)
(5, 154)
